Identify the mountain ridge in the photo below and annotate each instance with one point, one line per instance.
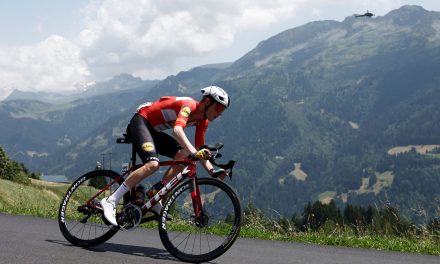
(116, 84)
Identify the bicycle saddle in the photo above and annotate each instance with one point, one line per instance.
(125, 140)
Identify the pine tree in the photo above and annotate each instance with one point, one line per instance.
(11, 170)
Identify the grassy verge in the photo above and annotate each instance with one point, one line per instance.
(421, 245)
(38, 200)
(42, 199)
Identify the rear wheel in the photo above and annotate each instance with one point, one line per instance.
(206, 237)
(83, 224)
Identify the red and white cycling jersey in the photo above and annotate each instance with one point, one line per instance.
(171, 111)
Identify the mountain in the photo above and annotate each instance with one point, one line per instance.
(118, 83)
(334, 97)
(33, 130)
(345, 110)
(39, 96)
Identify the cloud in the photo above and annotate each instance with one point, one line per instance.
(143, 37)
(147, 37)
(51, 65)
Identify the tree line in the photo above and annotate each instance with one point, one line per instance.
(14, 171)
(317, 217)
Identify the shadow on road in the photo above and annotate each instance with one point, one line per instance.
(153, 253)
(134, 250)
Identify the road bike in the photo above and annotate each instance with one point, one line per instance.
(200, 219)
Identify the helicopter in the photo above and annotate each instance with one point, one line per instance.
(367, 14)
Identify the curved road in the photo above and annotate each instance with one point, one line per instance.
(25, 239)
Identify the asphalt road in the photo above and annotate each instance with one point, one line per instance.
(25, 239)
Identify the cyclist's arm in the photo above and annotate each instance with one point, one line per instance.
(208, 166)
(183, 141)
(210, 169)
(199, 140)
(182, 118)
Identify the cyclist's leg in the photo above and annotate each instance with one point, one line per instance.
(172, 171)
(169, 147)
(143, 143)
(144, 138)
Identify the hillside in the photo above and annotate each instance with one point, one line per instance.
(38, 198)
(35, 129)
(332, 97)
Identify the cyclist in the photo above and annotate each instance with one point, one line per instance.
(146, 131)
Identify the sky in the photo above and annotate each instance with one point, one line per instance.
(65, 45)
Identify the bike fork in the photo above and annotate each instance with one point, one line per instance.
(196, 199)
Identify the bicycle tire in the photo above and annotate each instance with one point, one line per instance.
(213, 237)
(69, 214)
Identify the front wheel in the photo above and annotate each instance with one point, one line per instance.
(208, 236)
(83, 224)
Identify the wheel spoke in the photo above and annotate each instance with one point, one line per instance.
(83, 224)
(204, 238)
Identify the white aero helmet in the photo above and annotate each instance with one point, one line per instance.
(218, 94)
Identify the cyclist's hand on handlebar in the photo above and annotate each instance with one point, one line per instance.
(219, 174)
(203, 154)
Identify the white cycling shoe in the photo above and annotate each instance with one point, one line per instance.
(109, 211)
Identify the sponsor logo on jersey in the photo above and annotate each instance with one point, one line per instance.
(148, 146)
(185, 111)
